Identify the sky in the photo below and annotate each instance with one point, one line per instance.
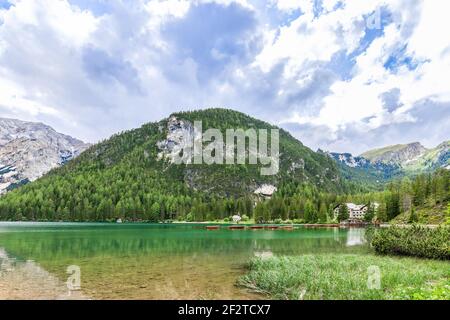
(343, 76)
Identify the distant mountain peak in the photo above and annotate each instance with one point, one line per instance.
(349, 160)
(396, 154)
(391, 161)
(30, 149)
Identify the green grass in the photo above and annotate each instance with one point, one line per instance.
(429, 213)
(343, 276)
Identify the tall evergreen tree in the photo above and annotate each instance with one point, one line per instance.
(343, 213)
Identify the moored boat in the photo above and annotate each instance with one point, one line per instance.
(236, 227)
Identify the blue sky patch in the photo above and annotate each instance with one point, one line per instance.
(342, 65)
(97, 7)
(371, 33)
(399, 59)
(5, 4)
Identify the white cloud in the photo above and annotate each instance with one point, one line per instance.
(93, 75)
(161, 10)
(311, 38)
(38, 39)
(351, 102)
(71, 24)
(14, 97)
(305, 5)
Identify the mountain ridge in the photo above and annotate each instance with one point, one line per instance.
(383, 164)
(395, 154)
(124, 176)
(28, 150)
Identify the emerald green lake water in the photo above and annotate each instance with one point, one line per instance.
(149, 261)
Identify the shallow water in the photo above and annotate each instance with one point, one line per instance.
(148, 261)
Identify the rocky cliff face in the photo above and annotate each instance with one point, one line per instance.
(28, 150)
(349, 160)
(295, 161)
(432, 159)
(180, 136)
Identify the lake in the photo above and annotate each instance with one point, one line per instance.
(148, 261)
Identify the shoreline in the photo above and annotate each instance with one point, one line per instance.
(226, 224)
(193, 223)
(216, 225)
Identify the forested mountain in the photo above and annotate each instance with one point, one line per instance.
(362, 171)
(132, 176)
(28, 150)
(129, 176)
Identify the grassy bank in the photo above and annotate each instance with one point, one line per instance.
(428, 213)
(417, 241)
(338, 277)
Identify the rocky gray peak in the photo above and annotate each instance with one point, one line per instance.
(411, 152)
(398, 154)
(180, 135)
(11, 129)
(389, 162)
(28, 150)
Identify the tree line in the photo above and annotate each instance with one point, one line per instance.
(132, 200)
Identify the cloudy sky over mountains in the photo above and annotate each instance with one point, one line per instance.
(340, 75)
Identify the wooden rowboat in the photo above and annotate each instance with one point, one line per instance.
(236, 227)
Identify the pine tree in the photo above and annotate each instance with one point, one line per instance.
(370, 214)
(413, 215)
(266, 212)
(448, 213)
(258, 213)
(310, 212)
(381, 213)
(155, 212)
(343, 213)
(283, 210)
(322, 213)
(393, 205)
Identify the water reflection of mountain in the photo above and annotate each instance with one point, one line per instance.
(355, 237)
(184, 241)
(29, 280)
